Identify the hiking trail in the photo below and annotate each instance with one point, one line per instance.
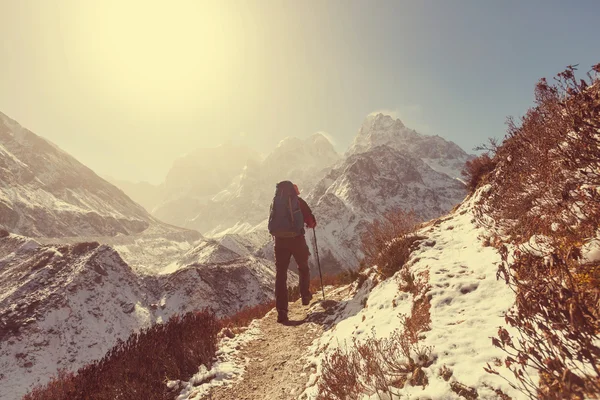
(277, 367)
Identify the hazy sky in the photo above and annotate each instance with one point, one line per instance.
(128, 86)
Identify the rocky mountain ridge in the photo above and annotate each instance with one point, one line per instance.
(46, 192)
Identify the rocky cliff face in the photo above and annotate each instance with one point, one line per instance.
(368, 184)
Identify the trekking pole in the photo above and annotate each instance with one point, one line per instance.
(318, 262)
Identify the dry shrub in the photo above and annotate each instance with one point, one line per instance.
(466, 392)
(138, 367)
(247, 314)
(547, 184)
(388, 242)
(341, 278)
(381, 366)
(419, 319)
(407, 282)
(373, 366)
(445, 372)
(476, 170)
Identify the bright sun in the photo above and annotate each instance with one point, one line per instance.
(153, 55)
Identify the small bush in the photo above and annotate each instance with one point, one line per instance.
(388, 242)
(342, 278)
(138, 367)
(247, 314)
(407, 283)
(373, 366)
(464, 391)
(477, 169)
(381, 366)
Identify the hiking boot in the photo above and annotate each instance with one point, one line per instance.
(306, 300)
(282, 318)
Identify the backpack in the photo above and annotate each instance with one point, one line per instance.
(285, 218)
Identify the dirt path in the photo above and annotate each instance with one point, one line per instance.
(277, 368)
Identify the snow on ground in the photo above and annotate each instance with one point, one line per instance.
(590, 252)
(228, 368)
(468, 305)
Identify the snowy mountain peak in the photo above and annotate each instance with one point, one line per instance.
(383, 130)
(379, 121)
(319, 139)
(317, 142)
(289, 142)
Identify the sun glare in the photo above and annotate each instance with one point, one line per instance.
(153, 55)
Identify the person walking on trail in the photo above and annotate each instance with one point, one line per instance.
(287, 217)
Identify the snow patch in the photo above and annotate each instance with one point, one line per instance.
(228, 368)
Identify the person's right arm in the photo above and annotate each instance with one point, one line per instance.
(309, 218)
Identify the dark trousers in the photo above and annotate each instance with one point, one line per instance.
(285, 248)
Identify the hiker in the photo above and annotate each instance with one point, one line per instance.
(287, 217)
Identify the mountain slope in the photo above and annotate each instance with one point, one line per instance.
(365, 186)
(440, 154)
(456, 273)
(145, 194)
(195, 178)
(46, 192)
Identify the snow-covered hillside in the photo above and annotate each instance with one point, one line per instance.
(63, 305)
(46, 192)
(468, 304)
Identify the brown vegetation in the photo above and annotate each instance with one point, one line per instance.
(139, 367)
(381, 365)
(388, 242)
(247, 314)
(341, 278)
(476, 170)
(547, 186)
